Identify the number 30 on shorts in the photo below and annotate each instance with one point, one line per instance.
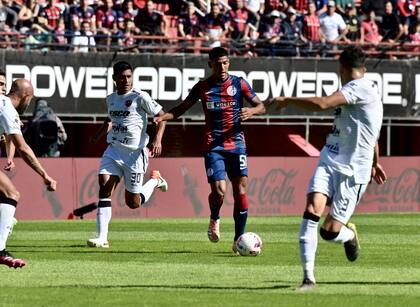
(135, 178)
(242, 162)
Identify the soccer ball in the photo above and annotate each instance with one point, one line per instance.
(249, 244)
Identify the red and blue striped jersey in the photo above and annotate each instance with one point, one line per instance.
(222, 103)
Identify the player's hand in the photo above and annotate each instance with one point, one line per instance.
(10, 165)
(246, 113)
(157, 119)
(50, 183)
(156, 149)
(279, 102)
(378, 174)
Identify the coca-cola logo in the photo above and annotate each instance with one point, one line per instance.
(402, 189)
(274, 188)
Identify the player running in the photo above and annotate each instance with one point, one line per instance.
(347, 163)
(222, 97)
(17, 101)
(126, 155)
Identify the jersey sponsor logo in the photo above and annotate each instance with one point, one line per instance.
(128, 103)
(335, 149)
(218, 104)
(119, 113)
(119, 128)
(231, 90)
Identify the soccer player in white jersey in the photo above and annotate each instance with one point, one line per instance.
(15, 103)
(348, 161)
(126, 155)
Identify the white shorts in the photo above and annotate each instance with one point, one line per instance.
(341, 189)
(132, 164)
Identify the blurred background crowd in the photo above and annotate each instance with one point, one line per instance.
(247, 27)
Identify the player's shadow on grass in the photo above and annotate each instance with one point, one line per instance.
(195, 287)
(370, 283)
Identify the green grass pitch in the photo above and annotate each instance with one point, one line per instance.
(170, 262)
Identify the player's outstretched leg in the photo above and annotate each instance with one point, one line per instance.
(103, 218)
(352, 247)
(6, 258)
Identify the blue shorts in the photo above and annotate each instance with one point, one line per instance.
(220, 162)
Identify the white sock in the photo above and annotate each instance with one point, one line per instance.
(308, 242)
(345, 234)
(103, 217)
(7, 212)
(148, 188)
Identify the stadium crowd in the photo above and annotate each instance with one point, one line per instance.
(252, 27)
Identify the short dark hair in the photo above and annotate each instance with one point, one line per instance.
(2, 72)
(121, 66)
(217, 52)
(353, 57)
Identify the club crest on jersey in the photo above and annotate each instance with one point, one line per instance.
(231, 90)
(128, 103)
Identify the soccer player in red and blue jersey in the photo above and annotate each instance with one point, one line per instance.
(222, 97)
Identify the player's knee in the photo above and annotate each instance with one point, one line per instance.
(328, 235)
(132, 204)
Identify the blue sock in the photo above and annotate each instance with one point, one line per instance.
(240, 217)
(215, 203)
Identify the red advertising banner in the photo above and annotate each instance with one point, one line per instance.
(276, 186)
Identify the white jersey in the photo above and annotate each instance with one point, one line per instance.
(350, 146)
(9, 117)
(331, 25)
(128, 114)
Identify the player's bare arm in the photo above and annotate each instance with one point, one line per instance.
(378, 173)
(10, 153)
(29, 157)
(312, 104)
(175, 112)
(103, 130)
(257, 108)
(156, 146)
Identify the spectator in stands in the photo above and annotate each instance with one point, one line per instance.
(238, 21)
(45, 132)
(291, 34)
(29, 10)
(415, 38)
(106, 22)
(290, 28)
(374, 5)
(83, 13)
(415, 18)
(406, 9)
(391, 28)
(301, 6)
(270, 33)
(341, 6)
(60, 34)
(215, 27)
(129, 10)
(311, 24)
(256, 10)
(321, 6)
(353, 23)
(275, 5)
(370, 29)
(150, 21)
(83, 40)
(189, 23)
(131, 31)
(38, 36)
(333, 27)
(52, 14)
(8, 18)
